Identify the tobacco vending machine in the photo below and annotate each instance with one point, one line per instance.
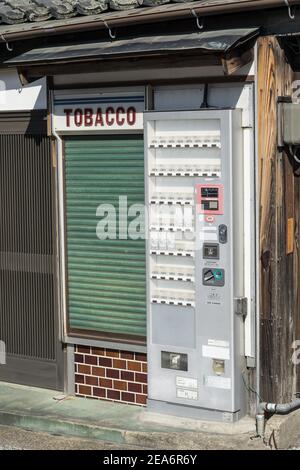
(196, 304)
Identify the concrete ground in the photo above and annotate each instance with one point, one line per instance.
(38, 418)
(12, 438)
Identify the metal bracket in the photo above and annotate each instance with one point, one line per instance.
(199, 25)
(241, 306)
(10, 49)
(291, 15)
(111, 35)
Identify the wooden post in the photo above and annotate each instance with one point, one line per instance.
(279, 216)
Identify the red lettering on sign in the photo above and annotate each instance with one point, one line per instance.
(99, 118)
(120, 120)
(88, 117)
(109, 120)
(110, 116)
(78, 117)
(68, 113)
(131, 116)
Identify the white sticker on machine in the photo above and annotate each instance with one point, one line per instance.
(187, 394)
(186, 382)
(218, 343)
(216, 352)
(217, 382)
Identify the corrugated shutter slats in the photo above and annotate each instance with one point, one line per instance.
(106, 278)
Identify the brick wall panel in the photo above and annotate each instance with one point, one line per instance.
(109, 374)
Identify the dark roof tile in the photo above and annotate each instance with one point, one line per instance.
(59, 9)
(22, 11)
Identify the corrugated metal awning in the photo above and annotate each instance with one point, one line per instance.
(221, 41)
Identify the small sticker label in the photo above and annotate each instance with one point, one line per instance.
(186, 382)
(218, 382)
(219, 343)
(213, 298)
(216, 352)
(208, 236)
(187, 394)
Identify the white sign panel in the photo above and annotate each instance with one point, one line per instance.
(216, 352)
(186, 382)
(187, 394)
(98, 112)
(218, 382)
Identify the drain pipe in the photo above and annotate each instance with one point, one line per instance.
(273, 408)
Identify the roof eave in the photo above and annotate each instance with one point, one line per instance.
(134, 17)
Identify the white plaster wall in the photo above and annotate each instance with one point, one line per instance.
(14, 97)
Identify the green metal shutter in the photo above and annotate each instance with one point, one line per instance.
(106, 278)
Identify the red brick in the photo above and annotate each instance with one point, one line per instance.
(91, 380)
(112, 353)
(120, 385)
(113, 373)
(113, 394)
(141, 399)
(83, 369)
(79, 379)
(141, 378)
(99, 392)
(105, 361)
(106, 383)
(144, 368)
(129, 376)
(78, 358)
(136, 366)
(132, 387)
(141, 357)
(91, 360)
(98, 351)
(85, 390)
(119, 364)
(127, 355)
(145, 389)
(84, 349)
(128, 397)
(99, 371)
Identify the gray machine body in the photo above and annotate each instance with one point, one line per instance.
(196, 352)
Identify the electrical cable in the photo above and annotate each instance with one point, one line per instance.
(250, 389)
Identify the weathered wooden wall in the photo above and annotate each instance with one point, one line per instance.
(279, 226)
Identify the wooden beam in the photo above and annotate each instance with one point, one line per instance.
(121, 64)
(279, 276)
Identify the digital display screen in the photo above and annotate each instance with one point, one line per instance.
(210, 192)
(210, 205)
(175, 361)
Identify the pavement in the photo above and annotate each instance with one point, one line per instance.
(12, 438)
(88, 422)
